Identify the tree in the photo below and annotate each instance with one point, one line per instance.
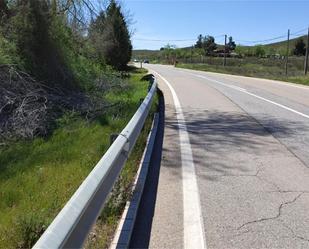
(231, 45)
(169, 52)
(199, 42)
(110, 36)
(259, 51)
(209, 45)
(300, 47)
(31, 27)
(96, 32)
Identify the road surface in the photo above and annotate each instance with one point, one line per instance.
(231, 166)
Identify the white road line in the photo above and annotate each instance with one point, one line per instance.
(193, 222)
(285, 84)
(253, 95)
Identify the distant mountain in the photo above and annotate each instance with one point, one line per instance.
(149, 54)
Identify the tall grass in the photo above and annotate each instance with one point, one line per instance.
(38, 177)
(261, 68)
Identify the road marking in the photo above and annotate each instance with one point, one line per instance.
(192, 215)
(286, 84)
(253, 95)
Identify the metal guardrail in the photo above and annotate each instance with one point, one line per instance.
(71, 226)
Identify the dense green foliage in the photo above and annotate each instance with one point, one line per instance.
(300, 47)
(50, 42)
(38, 177)
(48, 47)
(39, 37)
(207, 43)
(110, 36)
(199, 42)
(231, 45)
(61, 98)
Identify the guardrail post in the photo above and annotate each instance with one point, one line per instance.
(113, 137)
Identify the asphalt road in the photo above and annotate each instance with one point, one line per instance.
(242, 176)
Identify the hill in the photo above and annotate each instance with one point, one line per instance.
(283, 44)
(271, 48)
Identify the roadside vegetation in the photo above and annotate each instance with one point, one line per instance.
(38, 177)
(65, 87)
(254, 67)
(264, 61)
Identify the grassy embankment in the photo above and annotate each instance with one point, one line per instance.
(262, 68)
(38, 177)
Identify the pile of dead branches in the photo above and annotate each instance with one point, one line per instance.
(28, 108)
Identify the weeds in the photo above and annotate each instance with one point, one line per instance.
(38, 177)
(261, 69)
(30, 227)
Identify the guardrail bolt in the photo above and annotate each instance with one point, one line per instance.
(113, 137)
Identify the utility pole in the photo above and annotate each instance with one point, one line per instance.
(287, 54)
(191, 53)
(307, 52)
(224, 61)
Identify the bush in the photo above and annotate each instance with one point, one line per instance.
(8, 53)
(30, 226)
(300, 47)
(259, 51)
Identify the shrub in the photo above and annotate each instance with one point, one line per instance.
(30, 226)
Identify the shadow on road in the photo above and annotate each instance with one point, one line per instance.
(143, 224)
(224, 143)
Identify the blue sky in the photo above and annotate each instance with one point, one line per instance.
(156, 23)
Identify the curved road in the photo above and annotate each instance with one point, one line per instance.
(234, 168)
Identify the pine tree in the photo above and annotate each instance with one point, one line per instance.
(231, 44)
(112, 37)
(209, 45)
(199, 42)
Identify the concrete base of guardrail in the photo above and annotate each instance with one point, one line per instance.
(125, 227)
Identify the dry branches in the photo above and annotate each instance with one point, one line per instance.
(29, 108)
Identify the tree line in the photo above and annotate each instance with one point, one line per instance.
(43, 36)
(57, 56)
(208, 44)
(210, 47)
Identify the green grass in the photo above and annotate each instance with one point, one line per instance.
(38, 177)
(259, 70)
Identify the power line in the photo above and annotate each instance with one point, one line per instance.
(165, 40)
(299, 34)
(217, 36)
(171, 40)
(299, 31)
(294, 34)
(266, 40)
